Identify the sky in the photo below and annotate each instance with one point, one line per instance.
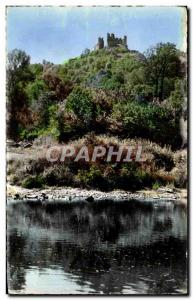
(59, 33)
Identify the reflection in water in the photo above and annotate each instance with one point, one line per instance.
(96, 248)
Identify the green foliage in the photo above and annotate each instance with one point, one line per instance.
(18, 75)
(127, 64)
(41, 107)
(25, 134)
(33, 182)
(113, 82)
(80, 103)
(176, 98)
(35, 89)
(163, 63)
(146, 121)
(156, 185)
(58, 176)
(91, 178)
(53, 127)
(142, 92)
(107, 90)
(36, 70)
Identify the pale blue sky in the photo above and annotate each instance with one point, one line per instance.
(59, 33)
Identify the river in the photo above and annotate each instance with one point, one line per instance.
(96, 248)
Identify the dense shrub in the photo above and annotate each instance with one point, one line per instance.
(91, 178)
(33, 182)
(35, 89)
(58, 176)
(147, 121)
(142, 92)
(177, 97)
(80, 103)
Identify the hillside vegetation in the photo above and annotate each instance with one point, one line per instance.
(112, 92)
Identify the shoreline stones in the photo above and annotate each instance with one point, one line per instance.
(90, 199)
(89, 196)
(165, 190)
(16, 196)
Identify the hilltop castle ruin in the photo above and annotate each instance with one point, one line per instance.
(112, 41)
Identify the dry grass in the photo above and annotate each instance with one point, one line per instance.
(161, 165)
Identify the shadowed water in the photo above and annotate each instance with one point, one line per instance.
(96, 248)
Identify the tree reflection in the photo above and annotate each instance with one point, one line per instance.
(114, 247)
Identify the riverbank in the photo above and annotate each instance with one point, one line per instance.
(76, 194)
(163, 174)
(29, 167)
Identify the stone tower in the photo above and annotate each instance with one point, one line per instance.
(100, 44)
(125, 40)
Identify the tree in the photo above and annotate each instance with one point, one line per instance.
(163, 61)
(80, 103)
(41, 108)
(177, 97)
(61, 88)
(85, 52)
(34, 90)
(37, 70)
(18, 75)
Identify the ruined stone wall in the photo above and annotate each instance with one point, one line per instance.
(113, 41)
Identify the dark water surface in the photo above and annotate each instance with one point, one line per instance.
(90, 248)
